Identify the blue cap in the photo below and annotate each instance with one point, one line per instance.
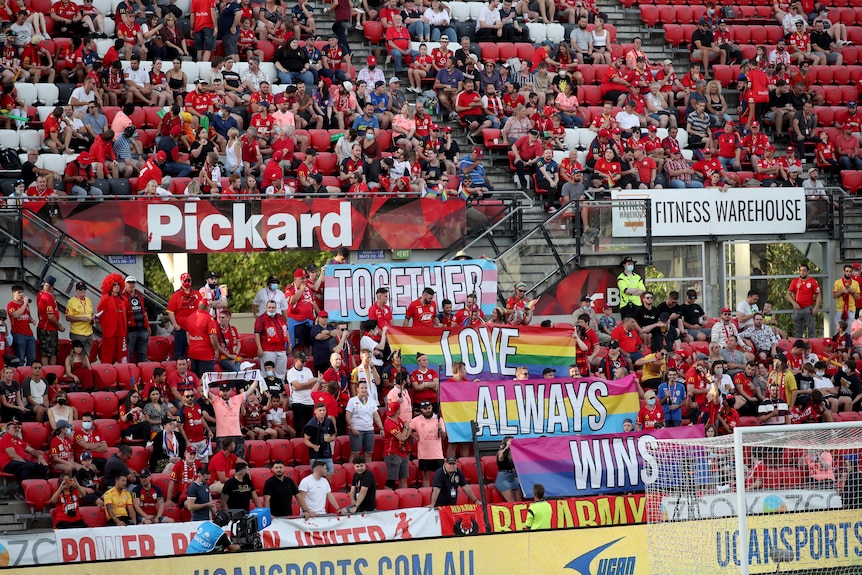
(742, 77)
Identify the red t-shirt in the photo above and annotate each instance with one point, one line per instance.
(648, 418)
(424, 377)
(805, 290)
(67, 11)
(7, 441)
(221, 462)
(698, 381)
(422, 314)
(393, 446)
(630, 341)
(183, 304)
(200, 103)
(182, 383)
(383, 315)
(202, 10)
(47, 306)
(303, 309)
(273, 332)
(466, 99)
(183, 474)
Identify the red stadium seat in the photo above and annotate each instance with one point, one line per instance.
(341, 451)
(126, 372)
(247, 345)
(174, 512)
(489, 50)
(293, 473)
(851, 180)
(373, 32)
(36, 434)
(825, 116)
(110, 431)
(386, 500)
(666, 13)
(832, 95)
(849, 94)
(506, 51)
(343, 500)
(525, 50)
(489, 468)
(151, 116)
(468, 468)
(82, 401)
(649, 15)
(320, 140)
(850, 55)
(300, 451)
(684, 14)
(281, 449)
(723, 74)
(93, 516)
(106, 405)
(104, 376)
(378, 469)
(161, 481)
(592, 95)
(259, 475)
(493, 495)
(408, 498)
(146, 369)
(257, 453)
(140, 458)
(673, 33)
(327, 163)
(741, 34)
(338, 481)
(841, 75)
(37, 493)
(268, 49)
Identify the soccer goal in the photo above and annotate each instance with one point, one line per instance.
(794, 492)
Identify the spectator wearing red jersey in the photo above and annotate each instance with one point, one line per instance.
(469, 106)
(848, 149)
(630, 341)
(651, 415)
(229, 343)
(49, 322)
(203, 339)
(68, 19)
(181, 306)
(112, 317)
(729, 147)
(272, 339)
(380, 309)
(203, 15)
(525, 153)
(422, 311)
(301, 310)
(805, 297)
(614, 85)
(518, 312)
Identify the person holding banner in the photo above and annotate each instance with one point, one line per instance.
(422, 311)
(518, 311)
(428, 431)
(272, 338)
(507, 479)
(380, 309)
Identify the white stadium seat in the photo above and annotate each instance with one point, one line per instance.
(27, 93)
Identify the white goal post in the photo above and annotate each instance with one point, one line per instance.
(794, 491)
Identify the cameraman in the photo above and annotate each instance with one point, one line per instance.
(211, 538)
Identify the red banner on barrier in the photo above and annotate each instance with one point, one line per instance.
(179, 226)
(602, 511)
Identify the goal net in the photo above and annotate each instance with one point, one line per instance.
(794, 492)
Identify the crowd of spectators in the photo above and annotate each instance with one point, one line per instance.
(239, 134)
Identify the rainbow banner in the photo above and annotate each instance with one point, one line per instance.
(490, 352)
(592, 465)
(536, 408)
(349, 291)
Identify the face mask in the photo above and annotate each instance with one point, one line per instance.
(270, 373)
(270, 313)
(630, 268)
(87, 425)
(273, 286)
(819, 373)
(651, 401)
(711, 11)
(718, 371)
(61, 401)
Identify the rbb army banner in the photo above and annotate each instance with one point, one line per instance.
(593, 465)
(130, 227)
(105, 543)
(536, 408)
(490, 352)
(711, 212)
(349, 290)
(460, 520)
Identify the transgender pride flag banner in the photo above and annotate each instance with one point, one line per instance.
(349, 291)
(536, 408)
(579, 465)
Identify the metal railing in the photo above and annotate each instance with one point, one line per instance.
(39, 255)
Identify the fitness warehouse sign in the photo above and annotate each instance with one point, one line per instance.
(710, 212)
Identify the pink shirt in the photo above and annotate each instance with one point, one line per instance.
(430, 445)
(404, 124)
(406, 411)
(227, 415)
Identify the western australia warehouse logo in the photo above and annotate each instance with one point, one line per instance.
(609, 565)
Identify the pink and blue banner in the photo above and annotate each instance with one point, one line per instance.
(581, 466)
(349, 291)
(536, 408)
